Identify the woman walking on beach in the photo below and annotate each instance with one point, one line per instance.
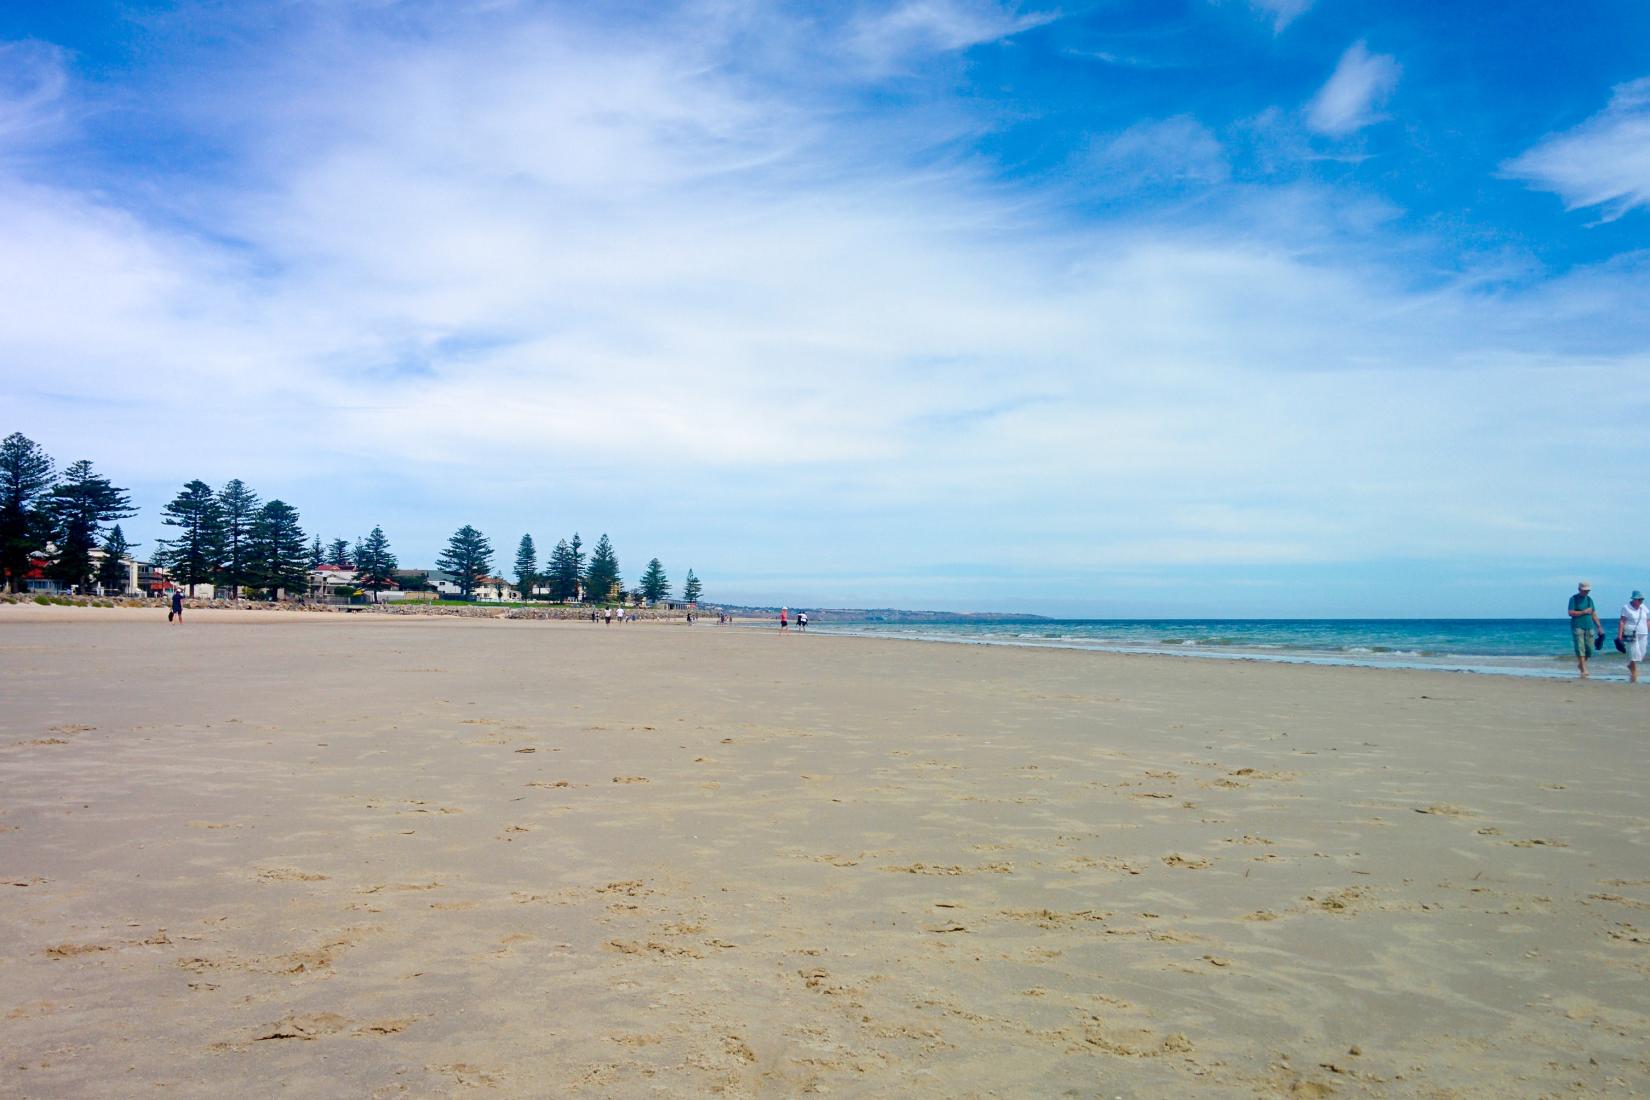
(1584, 625)
(1632, 633)
(176, 614)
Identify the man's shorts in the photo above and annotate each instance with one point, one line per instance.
(1584, 642)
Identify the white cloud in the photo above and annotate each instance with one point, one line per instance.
(1350, 99)
(1283, 12)
(1604, 162)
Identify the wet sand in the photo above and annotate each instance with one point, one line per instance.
(336, 855)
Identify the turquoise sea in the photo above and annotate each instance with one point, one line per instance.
(1503, 647)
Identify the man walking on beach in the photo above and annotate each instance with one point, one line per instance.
(1632, 633)
(1584, 625)
(176, 614)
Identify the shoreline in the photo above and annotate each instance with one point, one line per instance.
(1605, 671)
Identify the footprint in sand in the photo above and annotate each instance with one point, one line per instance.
(470, 1076)
(305, 1028)
(654, 947)
(952, 869)
(288, 874)
(315, 1025)
(1339, 901)
(839, 860)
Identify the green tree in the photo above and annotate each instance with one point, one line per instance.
(560, 575)
(338, 554)
(112, 573)
(82, 503)
(194, 557)
(277, 558)
(25, 526)
(467, 559)
(691, 588)
(375, 562)
(317, 554)
(655, 586)
(237, 509)
(602, 578)
(527, 566)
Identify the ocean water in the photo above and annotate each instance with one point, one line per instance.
(1505, 647)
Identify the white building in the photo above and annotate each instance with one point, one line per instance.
(486, 590)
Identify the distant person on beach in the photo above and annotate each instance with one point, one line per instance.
(1633, 632)
(1584, 625)
(802, 620)
(176, 614)
(784, 618)
(607, 616)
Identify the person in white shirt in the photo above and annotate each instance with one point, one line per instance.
(1633, 631)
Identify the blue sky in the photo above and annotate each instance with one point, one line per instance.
(1238, 307)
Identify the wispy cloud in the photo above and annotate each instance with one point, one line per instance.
(1354, 93)
(913, 28)
(32, 86)
(1166, 154)
(1282, 12)
(1604, 162)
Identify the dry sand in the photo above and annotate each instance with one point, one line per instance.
(350, 856)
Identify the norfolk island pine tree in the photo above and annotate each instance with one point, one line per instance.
(81, 505)
(25, 524)
(468, 558)
(195, 556)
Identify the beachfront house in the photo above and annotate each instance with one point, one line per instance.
(152, 579)
(496, 590)
(36, 582)
(331, 582)
(542, 591)
(334, 583)
(486, 590)
(128, 575)
(414, 584)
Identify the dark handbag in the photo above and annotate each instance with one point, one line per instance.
(1621, 646)
(1598, 642)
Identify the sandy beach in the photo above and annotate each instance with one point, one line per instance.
(353, 856)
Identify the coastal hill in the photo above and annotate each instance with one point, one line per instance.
(886, 615)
